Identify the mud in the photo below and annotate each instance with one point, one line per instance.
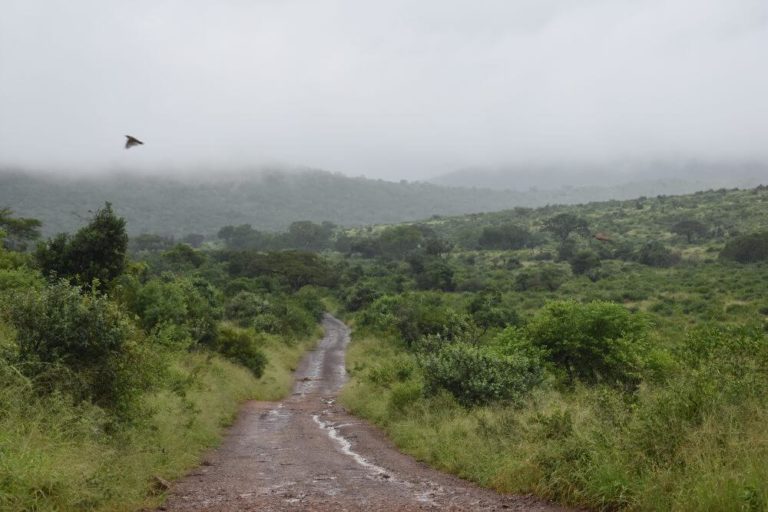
(307, 453)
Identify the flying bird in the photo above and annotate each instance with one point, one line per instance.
(131, 141)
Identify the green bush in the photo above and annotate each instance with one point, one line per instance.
(747, 248)
(79, 343)
(584, 261)
(545, 277)
(244, 307)
(191, 304)
(95, 252)
(598, 342)
(656, 254)
(412, 316)
(241, 346)
(479, 375)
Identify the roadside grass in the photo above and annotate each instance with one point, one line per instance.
(282, 360)
(586, 447)
(58, 456)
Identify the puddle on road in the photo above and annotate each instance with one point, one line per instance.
(346, 448)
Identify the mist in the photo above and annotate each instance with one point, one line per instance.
(392, 90)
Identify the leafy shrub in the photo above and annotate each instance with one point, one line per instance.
(584, 261)
(241, 346)
(82, 343)
(479, 375)
(488, 310)
(413, 315)
(245, 306)
(191, 303)
(594, 342)
(506, 236)
(747, 248)
(95, 252)
(542, 277)
(656, 254)
(359, 296)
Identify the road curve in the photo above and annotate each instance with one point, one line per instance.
(307, 453)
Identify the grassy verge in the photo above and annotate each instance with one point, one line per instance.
(686, 446)
(55, 455)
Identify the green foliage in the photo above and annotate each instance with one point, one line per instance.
(191, 305)
(80, 343)
(747, 248)
(96, 253)
(478, 375)
(184, 255)
(598, 342)
(563, 224)
(245, 306)
(432, 273)
(505, 236)
(295, 268)
(488, 310)
(543, 277)
(656, 254)
(241, 346)
(413, 316)
(584, 261)
(690, 229)
(16, 232)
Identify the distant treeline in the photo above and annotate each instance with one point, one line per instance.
(268, 201)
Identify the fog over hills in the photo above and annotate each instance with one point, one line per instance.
(618, 178)
(272, 199)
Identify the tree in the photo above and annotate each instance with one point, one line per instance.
(95, 252)
(488, 311)
(562, 225)
(18, 231)
(747, 248)
(194, 239)
(584, 261)
(308, 236)
(79, 342)
(690, 229)
(594, 343)
(506, 236)
(656, 254)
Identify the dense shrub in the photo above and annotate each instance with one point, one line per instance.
(594, 342)
(542, 277)
(80, 343)
(488, 311)
(189, 303)
(241, 346)
(656, 254)
(413, 315)
(360, 295)
(584, 261)
(479, 375)
(506, 236)
(95, 252)
(747, 248)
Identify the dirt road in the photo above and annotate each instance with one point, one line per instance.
(307, 453)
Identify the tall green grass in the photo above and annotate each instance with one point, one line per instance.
(696, 443)
(59, 456)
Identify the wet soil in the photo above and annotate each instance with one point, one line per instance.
(308, 453)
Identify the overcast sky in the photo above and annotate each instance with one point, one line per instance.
(392, 89)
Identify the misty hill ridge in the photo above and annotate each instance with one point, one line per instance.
(269, 201)
(604, 181)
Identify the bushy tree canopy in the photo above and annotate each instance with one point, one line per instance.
(95, 252)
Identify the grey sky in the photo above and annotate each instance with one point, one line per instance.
(393, 89)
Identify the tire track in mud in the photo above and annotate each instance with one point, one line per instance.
(308, 453)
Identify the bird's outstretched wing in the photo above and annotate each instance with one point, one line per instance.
(131, 141)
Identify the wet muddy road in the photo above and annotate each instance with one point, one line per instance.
(307, 453)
